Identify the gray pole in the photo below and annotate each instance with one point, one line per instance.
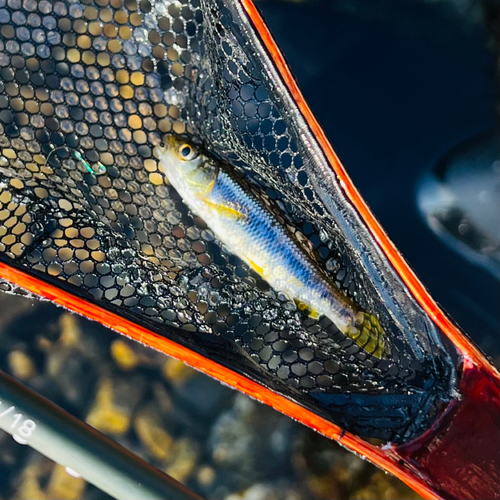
(47, 428)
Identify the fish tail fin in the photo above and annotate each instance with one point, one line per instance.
(365, 330)
(369, 334)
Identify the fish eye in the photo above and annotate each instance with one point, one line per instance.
(186, 152)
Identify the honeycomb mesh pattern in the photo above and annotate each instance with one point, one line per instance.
(88, 89)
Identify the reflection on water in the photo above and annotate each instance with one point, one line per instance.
(460, 199)
(220, 443)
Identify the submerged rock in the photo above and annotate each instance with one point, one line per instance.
(63, 485)
(182, 459)
(21, 366)
(115, 401)
(261, 491)
(152, 434)
(253, 441)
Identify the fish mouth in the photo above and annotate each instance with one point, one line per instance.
(160, 151)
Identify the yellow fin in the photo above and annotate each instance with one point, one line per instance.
(230, 212)
(304, 307)
(368, 334)
(372, 345)
(259, 270)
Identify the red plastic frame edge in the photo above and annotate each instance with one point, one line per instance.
(386, 458)
(136, 332)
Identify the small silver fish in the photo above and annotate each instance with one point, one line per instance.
(251, 232)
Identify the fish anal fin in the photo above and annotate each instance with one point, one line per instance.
(306, 308)
(259, 270)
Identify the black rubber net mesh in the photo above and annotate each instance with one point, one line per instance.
(88, 89)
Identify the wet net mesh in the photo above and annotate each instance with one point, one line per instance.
(88, 89)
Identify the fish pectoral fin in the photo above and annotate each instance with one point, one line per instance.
(306, 308)
(225, 210)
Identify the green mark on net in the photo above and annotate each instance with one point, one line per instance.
(97, 169)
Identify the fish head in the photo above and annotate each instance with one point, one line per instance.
(186, 167)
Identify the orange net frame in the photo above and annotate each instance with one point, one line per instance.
(89, 221)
